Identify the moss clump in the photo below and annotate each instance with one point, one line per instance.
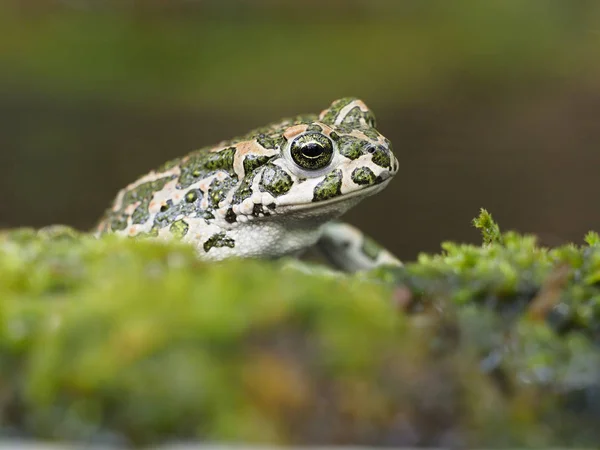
(490, 230)
(511, 274)
(138, 342)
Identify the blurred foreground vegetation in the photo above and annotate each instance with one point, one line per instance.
(137, 342)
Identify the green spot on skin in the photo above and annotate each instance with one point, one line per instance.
(330, 187)
(221, 160)
(363, 176)
(370, 133)
(191, 196)
(243, 192)
(314, 128)
(370, 248)
(218, 240)
(145, 191)
(351, 147)
(344, 128)
(275, 180)
(273, 141)
(219, 189)
(257, 210)
(118, 223)
(356, 114)
(230, 216)
(382, 158)
(252, 162)
(203, 162)
(140, 214)
(171, 212)
(179, 229)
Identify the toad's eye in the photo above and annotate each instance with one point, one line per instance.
(312, 151)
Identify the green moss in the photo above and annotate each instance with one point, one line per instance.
(140, 341)
(490, 230)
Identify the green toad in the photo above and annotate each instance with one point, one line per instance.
(273, 192)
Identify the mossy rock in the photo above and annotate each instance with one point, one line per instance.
(137, 342)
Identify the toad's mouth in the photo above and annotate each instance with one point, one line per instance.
(351, 197)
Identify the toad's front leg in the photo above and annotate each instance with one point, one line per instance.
(349, 249)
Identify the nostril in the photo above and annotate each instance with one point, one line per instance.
(371, 149)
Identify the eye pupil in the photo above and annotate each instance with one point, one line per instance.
(312, 150)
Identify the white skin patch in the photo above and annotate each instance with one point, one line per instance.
(260, 223)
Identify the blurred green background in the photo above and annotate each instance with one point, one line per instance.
(490, 104)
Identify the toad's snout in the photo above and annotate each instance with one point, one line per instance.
(383, 157)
